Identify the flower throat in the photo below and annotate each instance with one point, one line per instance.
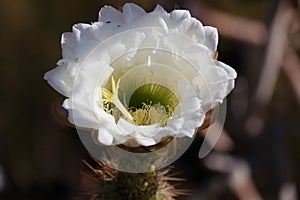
(152, 103)
(149, 104)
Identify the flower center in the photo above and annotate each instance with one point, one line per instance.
(149, 104)
(149, 86)
(152, 103)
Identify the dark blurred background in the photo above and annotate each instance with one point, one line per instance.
(258, 155)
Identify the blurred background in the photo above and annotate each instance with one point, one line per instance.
(258, 154)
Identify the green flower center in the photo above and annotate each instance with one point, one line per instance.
(149, 104)
(152, 103)
(153, 93)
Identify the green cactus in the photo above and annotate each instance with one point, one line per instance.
(104, 183)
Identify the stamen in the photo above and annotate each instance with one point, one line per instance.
(149, 114)
(157, 104)
(113, 98)
(152, 103)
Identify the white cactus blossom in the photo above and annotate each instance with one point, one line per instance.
(137, 76)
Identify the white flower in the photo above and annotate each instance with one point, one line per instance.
(140, 76)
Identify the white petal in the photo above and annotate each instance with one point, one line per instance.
(144, 135)
(185, 91)
(145, 141)
(226, 82)
(230, 72)
(100, 31)
(193, 119)
(109, 14)
(187, 105)
(66, 61)
(165, 131)
(147, 131)
(187, 116)
(132, 44)
(159, 10)
(89, 76)
(61, 79)
(68, 45)
(81, 105)
(105, 120)
(152, 20)
(175, 123)
(189, 120)
(85, 41)
(132, 12)
(211, 38)
(104, 136)
(179, 15)
(80, 114)
(196, 50)
(193, 28)
(186, 132)
(77, 45)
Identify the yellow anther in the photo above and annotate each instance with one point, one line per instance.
(113, 98)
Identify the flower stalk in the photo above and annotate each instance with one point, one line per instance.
(104, 183)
